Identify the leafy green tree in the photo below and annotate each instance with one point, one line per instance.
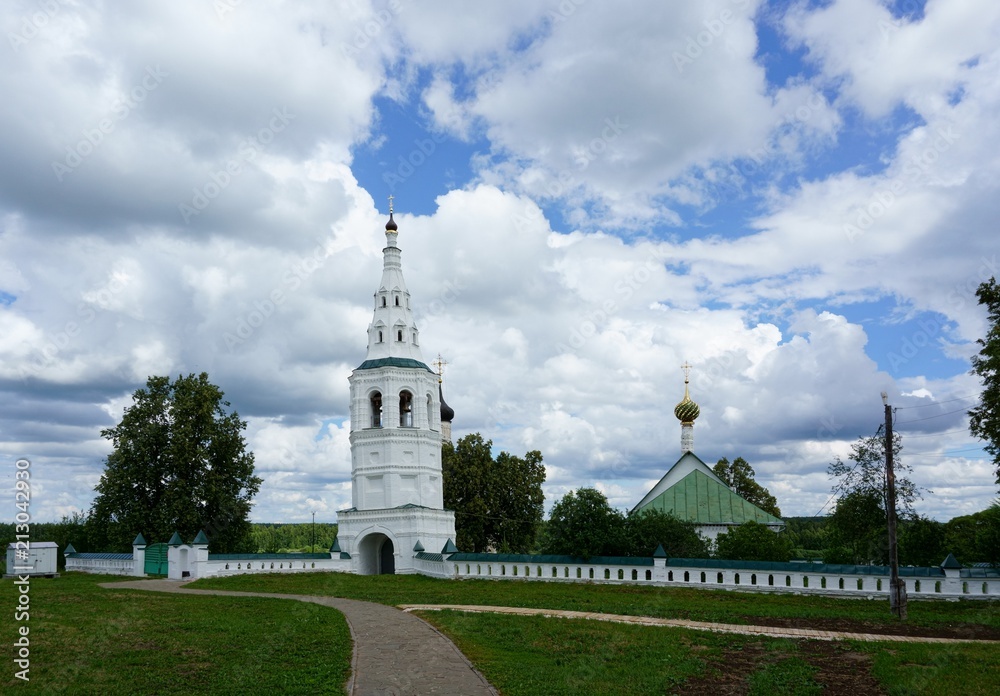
(740, 477)
(858, 530)
(921, 542)
(179, 464)
(753, 541)
(809, 536)
(583, 524)
(984, 419)
(498, 503)
(282, 538)
(646, 529)
(867, 473)
(975, 538)
(859, 522)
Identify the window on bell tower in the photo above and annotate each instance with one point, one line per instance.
(405, 409)
(376, 407)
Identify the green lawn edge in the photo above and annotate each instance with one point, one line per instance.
(88, 639)
(719, 606)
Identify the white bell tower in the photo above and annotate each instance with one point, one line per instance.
(396, 484)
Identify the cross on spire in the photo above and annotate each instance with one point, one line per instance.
(439, 364)
(390, 204)
(687, 371)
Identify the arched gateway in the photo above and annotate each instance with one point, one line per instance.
(376, 555)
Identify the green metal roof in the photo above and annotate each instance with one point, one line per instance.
(175, 540)
(102, 556)
(542, 558)
(201, 538)
(801, 567)
(268, 556)
(700, 499)
(950, 562)
(979, 573)
(449, 547)
(393, 362)
(139, 540)
(424, 556)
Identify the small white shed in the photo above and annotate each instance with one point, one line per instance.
(41, 558)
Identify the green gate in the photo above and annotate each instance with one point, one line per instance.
(156, 559)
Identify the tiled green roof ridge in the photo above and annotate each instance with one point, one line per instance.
(393, 362)
(700, 499)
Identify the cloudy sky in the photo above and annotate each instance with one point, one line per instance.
(798, 198)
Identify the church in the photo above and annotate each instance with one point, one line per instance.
(398, 420)
(397, 522)
(691, 491)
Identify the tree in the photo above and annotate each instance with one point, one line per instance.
(753, 541)
(583, 524)
(498, 503)
(179, 464)
(867, 474)
(647, 529)
(740, 477)
(984, 419)
(975, 538)
(921, 542)
(858, 531)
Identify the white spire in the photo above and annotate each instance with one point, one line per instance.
(392, 333)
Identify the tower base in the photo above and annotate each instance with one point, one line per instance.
(382, 541)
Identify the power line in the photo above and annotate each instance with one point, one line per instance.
(935, 403)
(843, 482)
(946, 432)
(939, 415)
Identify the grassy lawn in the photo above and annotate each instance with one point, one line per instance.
(86, 639)
(534, 655)
(701, 605)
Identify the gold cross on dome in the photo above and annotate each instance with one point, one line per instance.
(390, 204)
(440, 363)
(687, 371)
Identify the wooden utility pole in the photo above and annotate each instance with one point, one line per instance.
(897, 589)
